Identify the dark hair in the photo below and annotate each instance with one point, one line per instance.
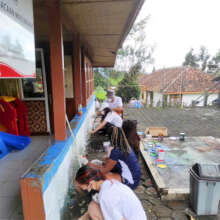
(118, 139)
(130, 129)
(86, 173)
(106, 111)
(129, 126)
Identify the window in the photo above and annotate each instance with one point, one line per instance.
(34, 88)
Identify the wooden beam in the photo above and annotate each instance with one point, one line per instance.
(57, 72)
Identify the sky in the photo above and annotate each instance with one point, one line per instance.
(175, 26)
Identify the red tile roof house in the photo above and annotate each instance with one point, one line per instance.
(184, 86)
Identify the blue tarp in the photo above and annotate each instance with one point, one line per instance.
(136, 104)
(9, 142)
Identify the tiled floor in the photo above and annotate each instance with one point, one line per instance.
(11, 168)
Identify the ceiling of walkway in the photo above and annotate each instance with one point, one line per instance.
(102, 25)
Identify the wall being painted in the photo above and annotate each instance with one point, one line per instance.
(55, 169)
(188, 98)
(55, 195)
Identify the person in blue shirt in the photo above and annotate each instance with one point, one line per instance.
(122, 160)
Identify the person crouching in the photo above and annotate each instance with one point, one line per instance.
(116, 201)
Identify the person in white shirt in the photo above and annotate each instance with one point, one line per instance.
(114, 102)
(115, 201)
(109, 118)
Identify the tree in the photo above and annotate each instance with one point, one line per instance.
(99, 79)
(135, 49)
(203, 58)
(214, 64)
(191, 59)
(128, 88)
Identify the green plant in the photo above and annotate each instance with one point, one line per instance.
(128, 88)
(100, 93)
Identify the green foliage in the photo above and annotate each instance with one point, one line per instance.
(203, 60)
(100, 93)
(191, 59)
(100, 80)
(203, 57)
(114, 82)
(128, 88)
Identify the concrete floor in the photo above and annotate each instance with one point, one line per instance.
(192, 121)
(12, 167)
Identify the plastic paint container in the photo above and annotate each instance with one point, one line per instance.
(161, 155)
(161, 165)
(182, 136)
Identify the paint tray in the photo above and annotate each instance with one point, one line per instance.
(155, 131)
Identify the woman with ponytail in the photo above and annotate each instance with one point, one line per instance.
(115, 200)
(121, 159)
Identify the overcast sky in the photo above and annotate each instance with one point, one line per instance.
(175, 26)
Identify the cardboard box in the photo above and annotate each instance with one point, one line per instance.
(155, 131)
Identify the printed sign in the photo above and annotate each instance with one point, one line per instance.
(17, 47)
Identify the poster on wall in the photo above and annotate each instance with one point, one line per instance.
(17, 46)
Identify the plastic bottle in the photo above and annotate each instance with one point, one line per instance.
(80, 109)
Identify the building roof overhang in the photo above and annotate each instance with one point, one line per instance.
(101, 24)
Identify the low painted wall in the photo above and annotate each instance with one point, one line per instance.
(45, 185)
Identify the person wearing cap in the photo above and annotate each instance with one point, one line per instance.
(114, 102)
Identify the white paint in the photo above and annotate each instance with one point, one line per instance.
(188, 98)
(55, 195)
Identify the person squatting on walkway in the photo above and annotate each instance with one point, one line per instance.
(122, 160)
(116, 201)
(109, 118)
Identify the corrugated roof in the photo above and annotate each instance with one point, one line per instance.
(178, 80)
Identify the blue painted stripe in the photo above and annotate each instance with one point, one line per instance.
(56, 153)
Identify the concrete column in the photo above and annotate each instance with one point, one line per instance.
(57, 73)
(77, 80)
(84, 87)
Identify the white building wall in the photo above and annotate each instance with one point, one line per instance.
(157, 99)
(188, 98)
(55, 195)
(211, 98)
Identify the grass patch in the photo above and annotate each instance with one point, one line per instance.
(100, 93)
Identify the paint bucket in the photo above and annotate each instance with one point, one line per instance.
(161, 155)
(182, 136)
